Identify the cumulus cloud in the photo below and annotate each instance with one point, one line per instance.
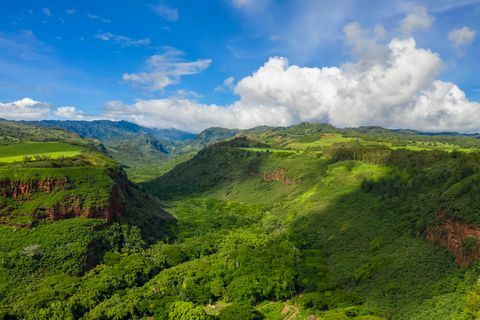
(417, 19)
(166, 13)
(462, 36)
(227, 85)
(397, 90)
(363, 46)
(123, 40)
(165, 69)
(24, 109)
(392, 84)
(29, 109)
(192, 116)
(70, 112)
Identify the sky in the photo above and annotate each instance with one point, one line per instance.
(194, 64)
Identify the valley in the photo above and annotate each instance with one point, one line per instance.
(302, 222)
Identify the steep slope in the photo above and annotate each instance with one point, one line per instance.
(61, 212)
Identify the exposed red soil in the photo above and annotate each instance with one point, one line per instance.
(69, 208)
(279, 175)
(15, 189)
(451, 233)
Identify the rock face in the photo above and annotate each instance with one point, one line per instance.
(279, 175)
(455, 235)
(15, 189)
(70, 207)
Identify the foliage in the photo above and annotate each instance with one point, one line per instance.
(240, 311)
(345, 239)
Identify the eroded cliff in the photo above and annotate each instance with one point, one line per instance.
(458, 237)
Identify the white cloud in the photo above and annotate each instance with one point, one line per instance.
(70, 112)
(97, 17)
(47, 12)
(393, 85)
(462, 36)
(166, 69)
(363, 46)
(166, 12)
(123, 40)
(184, 94)
(227, 85)
(29, 109)
(417, 19)
(70, 11)
(24, 109)
(397, 90)
(189, 115)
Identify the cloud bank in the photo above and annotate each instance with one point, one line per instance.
(391, 84)
(24, 109)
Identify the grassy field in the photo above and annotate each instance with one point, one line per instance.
(18, 151)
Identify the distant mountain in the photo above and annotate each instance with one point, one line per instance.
(104, 130)
(210, 136)
(141, 150)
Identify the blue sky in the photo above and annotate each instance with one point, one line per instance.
(92, 55)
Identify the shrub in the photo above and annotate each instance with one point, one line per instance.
(182, 310)
(237, 311)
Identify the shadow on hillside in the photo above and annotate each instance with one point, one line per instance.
(367, 245)
(364, 244)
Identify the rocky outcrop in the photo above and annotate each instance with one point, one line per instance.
(9, 188)
(279, 175)
(458, 237)
(71, 206)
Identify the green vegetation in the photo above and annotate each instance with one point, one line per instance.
(305, 222)
(13, 132)
(27, 151)
(142, 151)
(62, 216)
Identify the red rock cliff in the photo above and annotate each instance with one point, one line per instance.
(451, 233)
(15, 189)
(68, 208)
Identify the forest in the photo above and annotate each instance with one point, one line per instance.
(304, 222)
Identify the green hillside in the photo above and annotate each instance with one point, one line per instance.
(29, 150)
(65, 207)
(142, 151)
(355, 205)
(305, 222)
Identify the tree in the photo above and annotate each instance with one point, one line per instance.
(182, 310)
(237, 311)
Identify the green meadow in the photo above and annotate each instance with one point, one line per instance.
(54, 150)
